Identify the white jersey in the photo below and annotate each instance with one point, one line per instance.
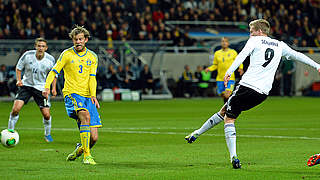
(265, 55)
(35, 71)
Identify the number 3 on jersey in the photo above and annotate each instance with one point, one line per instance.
(268, 55)
(80, 66)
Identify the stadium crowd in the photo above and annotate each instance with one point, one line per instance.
(292, 21)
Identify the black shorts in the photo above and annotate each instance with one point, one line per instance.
(242, 99)
(26, 92)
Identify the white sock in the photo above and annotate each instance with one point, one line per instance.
(47, 126)
(12, 121)
(230, 133)
(211, 122)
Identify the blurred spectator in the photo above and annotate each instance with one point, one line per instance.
(61, 16)
(204, 82)
(4, 90)
(63, 32)
(317, 40)
(185, 84)
(153, 3)
(136, 68)
(146, 80)
(197, 78)
(12, 81)
(197, 74)
(121, 76)
(304, 43)
(111, 77)
(133, 7)
(190, 4)
(142, 35)
(129, 80)
(1, 34)
(287, 68)
(157, 15)
(204, 5)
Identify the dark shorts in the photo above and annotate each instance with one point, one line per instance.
(242, 99)
(26, 92)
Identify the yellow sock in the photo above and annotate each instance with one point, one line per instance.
(85, 139)
(80, 150)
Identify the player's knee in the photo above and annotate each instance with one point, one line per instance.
(94, 138)
(85, 121)
(46, 116)
(84, 117)
(229, 120)
(222, 113)
(15, 111)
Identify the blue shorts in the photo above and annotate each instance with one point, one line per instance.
(221, 88)
(75, 102)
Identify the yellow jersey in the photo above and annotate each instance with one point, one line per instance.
(77, 67)
(222, 61)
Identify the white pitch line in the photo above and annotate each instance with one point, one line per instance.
(219, 135)
(129, 131)
(179, 128)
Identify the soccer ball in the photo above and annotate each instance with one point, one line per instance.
(9, 138)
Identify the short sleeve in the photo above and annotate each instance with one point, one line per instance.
(63, 59)
(22, 61)
(94, 66)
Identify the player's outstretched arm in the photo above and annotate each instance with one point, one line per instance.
(292, 54)
(50, 78)
(54, 87)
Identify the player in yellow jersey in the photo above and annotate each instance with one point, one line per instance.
(222, 60)
(79, 65)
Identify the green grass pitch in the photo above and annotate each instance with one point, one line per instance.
(145, 140)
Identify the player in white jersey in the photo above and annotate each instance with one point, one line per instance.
(265, 55)
(36, 65)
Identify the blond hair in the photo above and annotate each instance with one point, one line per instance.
(40, 39)
(260, 24)
(226, 38)
(78, 30)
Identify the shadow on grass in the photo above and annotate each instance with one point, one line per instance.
(304, 174)
(160, 165)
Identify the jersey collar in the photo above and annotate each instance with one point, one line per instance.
(79, 54)
(35, 56)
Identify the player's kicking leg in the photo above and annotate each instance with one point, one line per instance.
(211, 122)
(314, 160)
(76, 153)
(85, 135)
(93, 140)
